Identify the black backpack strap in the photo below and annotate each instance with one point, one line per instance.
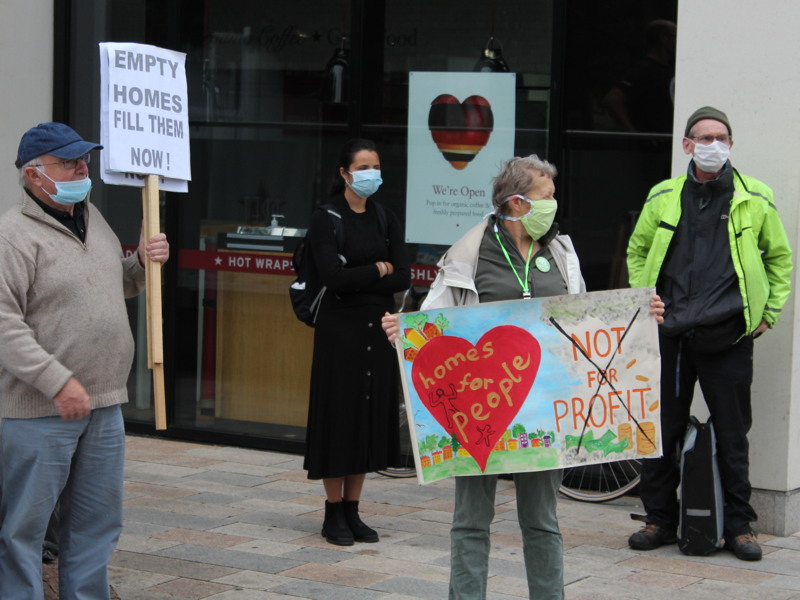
(338, 229)
(338, 224)
(383, 224)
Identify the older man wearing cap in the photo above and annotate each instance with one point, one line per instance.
(67, 351)
(712, 243)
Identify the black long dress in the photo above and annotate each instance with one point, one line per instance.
(353, 407)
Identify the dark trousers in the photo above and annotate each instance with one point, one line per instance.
(725, 378)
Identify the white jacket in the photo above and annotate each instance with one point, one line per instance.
(455, 282)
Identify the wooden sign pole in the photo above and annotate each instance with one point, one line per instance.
(155, 340)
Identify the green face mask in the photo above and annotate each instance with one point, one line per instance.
(539, 219)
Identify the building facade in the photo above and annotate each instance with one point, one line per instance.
(276, 88)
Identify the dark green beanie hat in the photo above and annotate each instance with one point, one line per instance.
(707, 112)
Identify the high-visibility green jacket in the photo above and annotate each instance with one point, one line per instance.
(760, 249)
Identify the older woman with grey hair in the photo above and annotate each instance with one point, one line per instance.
(515, 253)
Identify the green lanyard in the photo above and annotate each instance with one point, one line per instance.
(523, 284)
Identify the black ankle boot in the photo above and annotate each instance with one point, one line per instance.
(361, 533)
(334, 528)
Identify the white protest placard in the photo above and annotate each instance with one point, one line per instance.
(144, 130)
(461, 128)
(144, 113)
(137, 180)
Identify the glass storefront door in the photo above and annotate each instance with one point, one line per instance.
(275, 93)
(616, 78)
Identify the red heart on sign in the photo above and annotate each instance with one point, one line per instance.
(460, 129)
(475, 391)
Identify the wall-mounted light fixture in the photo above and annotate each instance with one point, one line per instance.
(337, 74)
(491, 59)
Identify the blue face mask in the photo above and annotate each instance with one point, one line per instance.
(70, 192)
(365, 183)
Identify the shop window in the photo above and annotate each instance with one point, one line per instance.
(275, 88)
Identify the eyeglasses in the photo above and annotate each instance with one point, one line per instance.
(705, 140)
(70, 164)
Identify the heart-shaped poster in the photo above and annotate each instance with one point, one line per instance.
(460, 129)
(475, 391)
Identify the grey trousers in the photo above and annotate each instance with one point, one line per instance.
(541, 537)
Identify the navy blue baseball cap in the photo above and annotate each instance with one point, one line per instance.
(57, 139)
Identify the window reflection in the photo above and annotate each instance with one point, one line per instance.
(618, 71)
(275, 88)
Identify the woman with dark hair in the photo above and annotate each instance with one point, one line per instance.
(353, 424)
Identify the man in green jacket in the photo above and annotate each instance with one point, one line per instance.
(712, 243)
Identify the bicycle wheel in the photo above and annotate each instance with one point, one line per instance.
(601, 482)
(407, 467)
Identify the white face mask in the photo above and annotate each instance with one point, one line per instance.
(711, 158)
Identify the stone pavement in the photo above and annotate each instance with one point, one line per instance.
(228, 523)
(50, 582)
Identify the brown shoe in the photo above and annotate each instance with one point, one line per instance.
(744, 546)
(650, 537)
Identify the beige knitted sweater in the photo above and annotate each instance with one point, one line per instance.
(62, 311)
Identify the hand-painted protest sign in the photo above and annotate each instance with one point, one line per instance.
(461, 127)
(530, 385)
(144, 115)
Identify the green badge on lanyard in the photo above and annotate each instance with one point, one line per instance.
(542, 264)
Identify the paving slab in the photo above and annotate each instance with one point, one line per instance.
(226, 523)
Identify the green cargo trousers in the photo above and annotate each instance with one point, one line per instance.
(541, 537)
